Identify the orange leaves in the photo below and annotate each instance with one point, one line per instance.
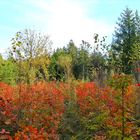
(41, 105)
(7, 117)
(36, 110)
(6, 91)
(106, 100)
(31, 133)
(91, 98)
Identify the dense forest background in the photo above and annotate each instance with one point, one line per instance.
(30, 57)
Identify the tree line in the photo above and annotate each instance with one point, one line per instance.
(29, 58)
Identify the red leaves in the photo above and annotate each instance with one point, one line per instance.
(137, 70)
(7, 117)
(6, 92)
(37, 109)
(31, 133)
(93, 99)
(137, 84)
(42, 104)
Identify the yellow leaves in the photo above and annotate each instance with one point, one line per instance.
(31, 55)
(40, 60)
(64, 61)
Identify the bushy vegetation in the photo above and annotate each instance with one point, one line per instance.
(75, 93)
(67, 111)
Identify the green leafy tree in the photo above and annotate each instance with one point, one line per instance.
(124, 40)
(121, 83)
(56, 72)
(65, 61)
(84, 56)
(8, 71)
(72, 50)
(30, 52)
(136, 49)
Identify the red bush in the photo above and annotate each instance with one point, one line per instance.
(40, 105)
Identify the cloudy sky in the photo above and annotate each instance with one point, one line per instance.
(62, 20)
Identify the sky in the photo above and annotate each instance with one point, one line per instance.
(61, 20)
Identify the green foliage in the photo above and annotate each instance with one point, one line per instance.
(83, 60)
(98, 68)
(8, 71)
(70, 124)
(136, 52)
(30, 53)
(85, 65)
(56, 72)
(77, 59)
(121, 81)
(65, 61)
(124, 46)
(93, 123)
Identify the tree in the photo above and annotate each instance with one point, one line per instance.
(99, 65)
(30, 52)
(56, 72)
(97, 68)
(136, 49)
(8, 71)
(124, 39)
(84, 59)
(65, 61)
(73, 51)
(121, 83)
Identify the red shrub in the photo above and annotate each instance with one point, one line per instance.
(7, 116)
(93, 99)
(31, 133)
(40, 105)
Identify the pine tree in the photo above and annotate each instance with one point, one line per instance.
(124, 40)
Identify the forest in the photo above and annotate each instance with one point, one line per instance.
(85, 92)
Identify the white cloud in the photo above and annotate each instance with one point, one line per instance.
(3, 50)
(61, 19)
(67, 19)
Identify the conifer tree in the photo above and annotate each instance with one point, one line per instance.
(124, 40)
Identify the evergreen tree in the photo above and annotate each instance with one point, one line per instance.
(124, 39)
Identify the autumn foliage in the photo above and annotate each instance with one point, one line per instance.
(40, 111)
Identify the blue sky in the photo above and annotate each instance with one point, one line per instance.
(62, 20)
